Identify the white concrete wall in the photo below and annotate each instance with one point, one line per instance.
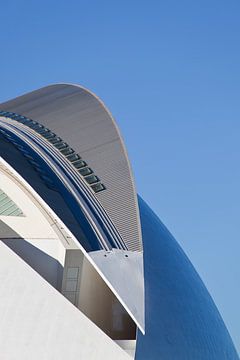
(98, 302)
(32, 236)
(38, 323)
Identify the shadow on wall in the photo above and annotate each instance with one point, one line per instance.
(45, 265)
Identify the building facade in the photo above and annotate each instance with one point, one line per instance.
(87, 270)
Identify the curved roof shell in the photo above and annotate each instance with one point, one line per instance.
(168, 301)
(82, 120)
(181, 319)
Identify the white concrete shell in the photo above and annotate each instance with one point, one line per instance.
(83, 122)
(73, 283)
(38, 323)
(36, 253)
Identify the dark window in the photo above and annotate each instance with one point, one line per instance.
(92, 179)
(98, 187)
(34, 125)
(39, 127)
(43, 131)
(24, 120)
(67, 151)
(55, 140)
(27, 120)
(79, 164)
(48, 135)
(61, 145)
(85, 171)
(73, 157)
(16, 117)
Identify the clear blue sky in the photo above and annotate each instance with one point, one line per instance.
(170, 73)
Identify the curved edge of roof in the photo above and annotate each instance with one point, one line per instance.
(109, 114)
(119, 134)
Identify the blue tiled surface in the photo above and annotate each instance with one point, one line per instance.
(182, 321)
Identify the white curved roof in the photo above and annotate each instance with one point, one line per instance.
(82, 120)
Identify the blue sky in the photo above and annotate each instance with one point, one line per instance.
(170, 73)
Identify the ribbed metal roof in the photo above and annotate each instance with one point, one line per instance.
(83, 121)
(8, 207)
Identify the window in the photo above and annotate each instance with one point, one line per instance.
(71, 285)
(58, 143)
(67, 151)
(43, 130)
(54, 140)
(39, 127)
(85, 171)
(79, 164)
(34, 125)
(73, 157)
(72, 272)
(48, 134)
(61, 145)
(16, 117)
(98, 187)
(51, 136)
(23, 121)
(92, 179)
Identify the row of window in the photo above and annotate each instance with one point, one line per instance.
(76, 160)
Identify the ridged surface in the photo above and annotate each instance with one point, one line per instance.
(8, 207)
(82, 121)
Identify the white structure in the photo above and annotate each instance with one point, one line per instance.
(72, 240)
(37, 322)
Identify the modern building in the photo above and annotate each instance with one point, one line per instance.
(87, 270)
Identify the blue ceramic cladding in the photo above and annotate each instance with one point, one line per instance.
(181, 319)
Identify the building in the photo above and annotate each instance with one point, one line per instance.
(87, 270)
